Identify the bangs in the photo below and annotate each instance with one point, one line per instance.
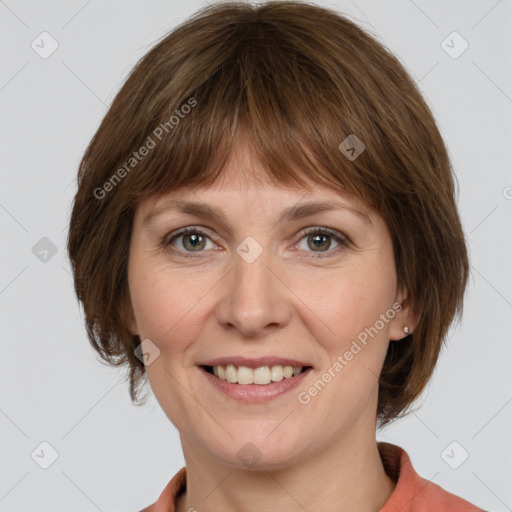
(282, 104)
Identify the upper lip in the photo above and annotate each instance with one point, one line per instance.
(254, 362)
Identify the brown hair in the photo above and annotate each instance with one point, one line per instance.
(299, 79)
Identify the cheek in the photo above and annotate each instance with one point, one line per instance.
(344, 303)
(163, 305)
(151, 296)
(158, 305)
(348, 324)
(167, 304)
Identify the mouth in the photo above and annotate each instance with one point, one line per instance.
(254, 379)
(254, 385)
(262, 376)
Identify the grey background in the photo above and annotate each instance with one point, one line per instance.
(114, 456)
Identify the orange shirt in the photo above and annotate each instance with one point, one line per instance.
(412, 492)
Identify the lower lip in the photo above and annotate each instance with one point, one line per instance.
(255, 392)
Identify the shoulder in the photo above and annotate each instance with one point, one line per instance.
(414, 493)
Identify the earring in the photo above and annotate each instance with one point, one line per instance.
(406, 329)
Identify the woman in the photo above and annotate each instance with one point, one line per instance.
(266, 228)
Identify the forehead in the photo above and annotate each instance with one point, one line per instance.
(244, 181)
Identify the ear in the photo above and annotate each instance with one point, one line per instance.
(404, 317)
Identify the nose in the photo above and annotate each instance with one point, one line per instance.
(255, 299)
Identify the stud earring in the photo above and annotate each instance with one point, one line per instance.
(406, 330)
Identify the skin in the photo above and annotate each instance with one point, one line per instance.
(292, 301)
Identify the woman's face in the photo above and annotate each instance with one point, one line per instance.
(255, 286)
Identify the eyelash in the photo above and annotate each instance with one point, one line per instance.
(343, 240)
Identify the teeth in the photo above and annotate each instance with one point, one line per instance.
(276, 373)
(245, 375)
(262, 375)
(231, 373)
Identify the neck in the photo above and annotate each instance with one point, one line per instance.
(347, 477)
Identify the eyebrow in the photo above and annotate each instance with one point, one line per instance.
(296, 212)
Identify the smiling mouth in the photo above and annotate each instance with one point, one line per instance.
(262, 376)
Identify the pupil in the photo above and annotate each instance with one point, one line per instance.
(318, 238)
(194, 240)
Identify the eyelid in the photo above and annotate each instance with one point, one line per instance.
(342, 237)
(166, 240)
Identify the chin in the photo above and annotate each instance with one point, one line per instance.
(257, 452)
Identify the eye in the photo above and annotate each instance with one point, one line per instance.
(193, 240)
(318, 239)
